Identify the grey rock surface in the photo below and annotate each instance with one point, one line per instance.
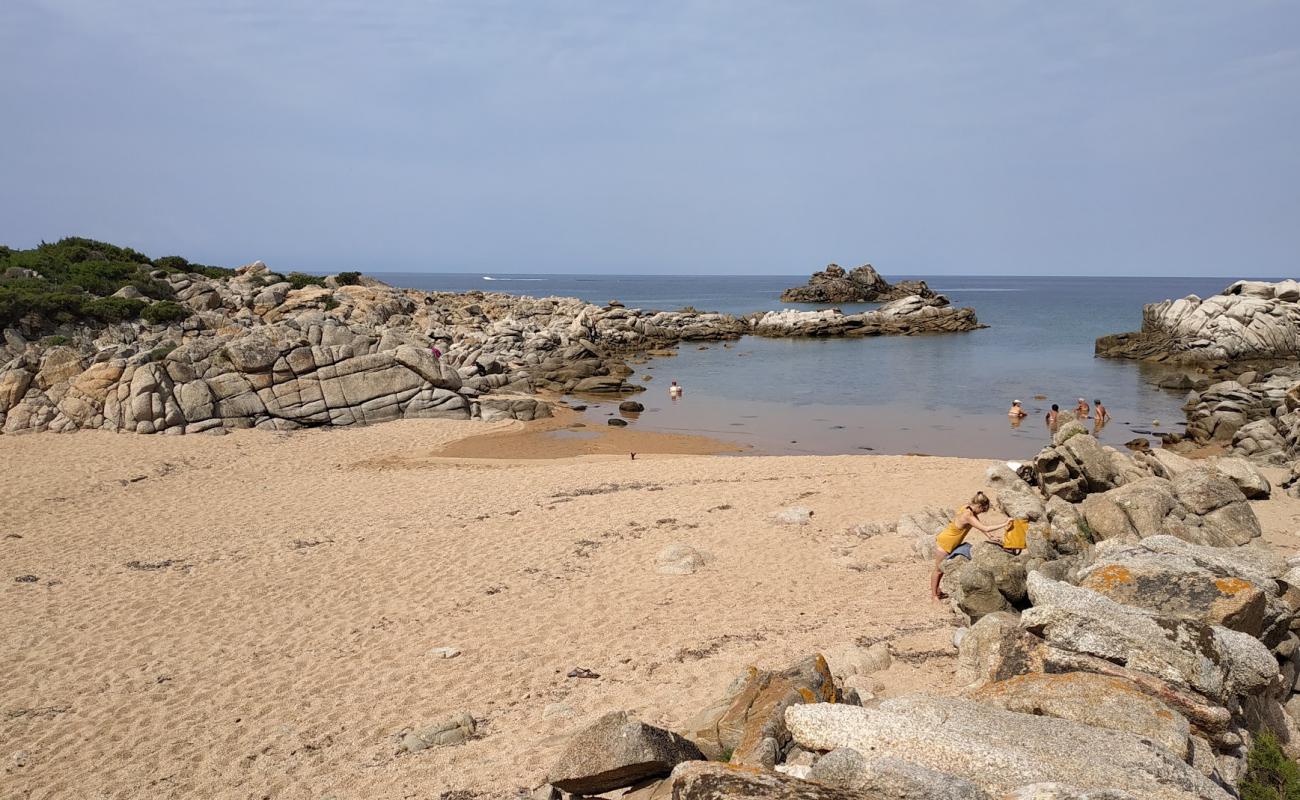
(1000, 750)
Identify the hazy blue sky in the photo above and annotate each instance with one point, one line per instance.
(676, 137)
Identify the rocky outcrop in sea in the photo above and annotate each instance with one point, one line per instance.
(1250, 320)
(1137, 647)
(256, 352)
(859, 285)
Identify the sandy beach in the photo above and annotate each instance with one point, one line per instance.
(254, 615)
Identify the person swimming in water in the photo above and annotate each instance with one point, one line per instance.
(1081, 410)
(1100, 412)
(674, 391)
(951, 541)
(1053, 415)
(1016, 411)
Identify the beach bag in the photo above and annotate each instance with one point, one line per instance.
(1016, 538)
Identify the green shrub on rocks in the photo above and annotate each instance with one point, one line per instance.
(73, 280)
(164, 311)
(114, 309)
(1270, 775)
(299, 279)
(348, 278)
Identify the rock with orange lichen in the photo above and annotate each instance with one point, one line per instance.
(1173, 589)
(1217, 662)
(749, 721)
(1096, 700)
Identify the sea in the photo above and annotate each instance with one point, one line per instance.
(934, 394)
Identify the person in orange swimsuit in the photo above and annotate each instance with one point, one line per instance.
(951, 540)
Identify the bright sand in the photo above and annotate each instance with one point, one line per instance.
(254, 615)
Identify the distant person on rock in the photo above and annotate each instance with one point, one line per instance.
(1053, 415)
(1016, 411)
(1081, 410)
(1100, 412)
(951, 540)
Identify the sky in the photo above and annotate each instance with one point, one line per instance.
(671, 137)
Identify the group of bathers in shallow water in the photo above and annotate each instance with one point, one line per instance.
(1082, 411)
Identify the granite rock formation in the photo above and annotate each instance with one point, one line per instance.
(859, 285)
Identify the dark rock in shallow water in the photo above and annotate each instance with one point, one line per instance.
(862, 284)
(616, 422)
(631, 406)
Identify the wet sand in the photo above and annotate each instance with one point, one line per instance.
(570, 433)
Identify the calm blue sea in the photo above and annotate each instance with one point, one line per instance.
(940, 395)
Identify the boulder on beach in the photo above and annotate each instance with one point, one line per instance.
(1000, 750)
(616, 751)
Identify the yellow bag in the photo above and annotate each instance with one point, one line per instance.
(1015, 538)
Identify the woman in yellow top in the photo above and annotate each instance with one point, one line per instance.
(951, 540)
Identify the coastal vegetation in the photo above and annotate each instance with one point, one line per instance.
(84, 280)
(1271, 775)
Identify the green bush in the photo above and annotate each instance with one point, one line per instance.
(164, 311)
(172, 264)
(212, 272)
(153, 288)
(331, 304)
(52, 303)
(113, 309)
(77, 277)
(299, 279)
(348, 278)
(55, 341)
(102, 277)
(1270, 775)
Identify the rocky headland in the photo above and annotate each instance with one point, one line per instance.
(858, 285)
(1237, 355)
(254, 348)
(1248, 321)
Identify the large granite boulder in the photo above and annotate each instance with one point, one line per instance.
(615, 751)
(1214, 661)
(1091, 699)
(894, 778)
(1175, 586)
(1001, 750)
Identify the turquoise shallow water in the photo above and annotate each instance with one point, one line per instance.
(941, 395)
